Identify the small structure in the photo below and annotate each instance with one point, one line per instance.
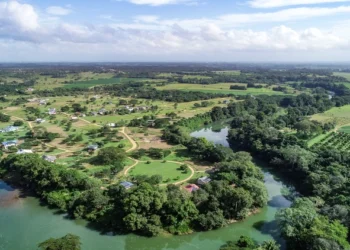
(42, 102)
(9, 129)
(74, 118)
(127, 184)
(226, 102)
(49, 158)
(93, 113)
(7, 144)
(92, 147)
(204, 180)
(191, 188)
(24, 151)
(129, 108)
(112, 125)
(39, 120)
(52, 111)
(102, 111)
(30, 89)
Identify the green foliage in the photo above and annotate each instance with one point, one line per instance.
(110, 155)
(67, 242)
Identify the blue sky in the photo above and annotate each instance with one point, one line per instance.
(175, 30)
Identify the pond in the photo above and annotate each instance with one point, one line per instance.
(24, 222)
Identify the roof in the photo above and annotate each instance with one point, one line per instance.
(49, 157)
(126, 184)
(94, 146)
(204, 179)
(5, 143)
(191, 188)
(24, 151)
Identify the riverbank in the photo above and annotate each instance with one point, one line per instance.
(29, 223)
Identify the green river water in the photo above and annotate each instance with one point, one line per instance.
(24, 222)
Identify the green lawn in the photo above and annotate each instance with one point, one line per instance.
(317, 139)
(345, 129)
(91, 83)
(219, 88)
(343, 74)
(166, 170)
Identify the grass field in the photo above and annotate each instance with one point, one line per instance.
(345, 129)
(96, 82)
(166, 170)
(220, 88)
(342, 74)
(340, 115)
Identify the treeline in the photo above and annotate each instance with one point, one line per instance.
(235, 191)
(135, 90)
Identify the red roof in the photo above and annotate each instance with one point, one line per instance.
(191, 187)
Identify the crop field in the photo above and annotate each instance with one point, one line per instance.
(220, 88)
(168, 170)
(337, 140)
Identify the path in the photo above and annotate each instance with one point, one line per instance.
(132, 141)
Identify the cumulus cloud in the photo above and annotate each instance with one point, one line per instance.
(284, 3)
(58, 11)
(150, 36)
(14, 15)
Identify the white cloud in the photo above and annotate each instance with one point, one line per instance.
(14, 15)
(146, 18)
(284, 3)
(162, 2)
(58, 11)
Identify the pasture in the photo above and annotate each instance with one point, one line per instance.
(339, 115)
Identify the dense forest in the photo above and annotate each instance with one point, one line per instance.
(320, 174)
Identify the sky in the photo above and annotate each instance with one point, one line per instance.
(175, 30)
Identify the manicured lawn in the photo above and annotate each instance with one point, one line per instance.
(166, 170)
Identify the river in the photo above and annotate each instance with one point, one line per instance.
(24, 222)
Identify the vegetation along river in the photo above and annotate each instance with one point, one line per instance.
(24, 222)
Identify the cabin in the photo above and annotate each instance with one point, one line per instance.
(191, 188)
(9, 129)
(39, 120)
(52, 111)
(24, 151)
(112, 125)
(7, 144)
(204, 180)
(49, 158)
(92, 147)
(102, 111)
(127, 184)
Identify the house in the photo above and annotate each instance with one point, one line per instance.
(74, 118)
(204, 180)
(93, 113)
(92, 147)
(112, 125)
(49, 158)
(42, 102)
(127, 184)
(24, 151)
(52, 111)
(191, 188)
(39, 120)
(226, 102)
(7, 144)
(102, 111)
(129, 108)
(9, 129)
(30, 89)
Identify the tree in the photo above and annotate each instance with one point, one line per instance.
(111, 155)
(4, 118)
(18, 123)
(67, 242)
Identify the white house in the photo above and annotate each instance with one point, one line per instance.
(203, 180)
(49, 158)
(92, 147)
(52, 111)
(8, 144)
(112, 125)
(24, 151)
(9, 129)
(39, 120)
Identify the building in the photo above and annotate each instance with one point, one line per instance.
(52, 111)
(191, 188)
(74, 118)
(92, 147)
(30, 89)
(102, 111)
(9, 129)
(42, 102)
(49, 158)
(7, 144)
(24, 151)
(112, 125)
(93, 113)
(39, 120)
(127, 184)
(204, 180)
(226, 102)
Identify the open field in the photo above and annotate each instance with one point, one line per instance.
(167, 170)
(339, 115)
(220, 88)
(342, 74)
